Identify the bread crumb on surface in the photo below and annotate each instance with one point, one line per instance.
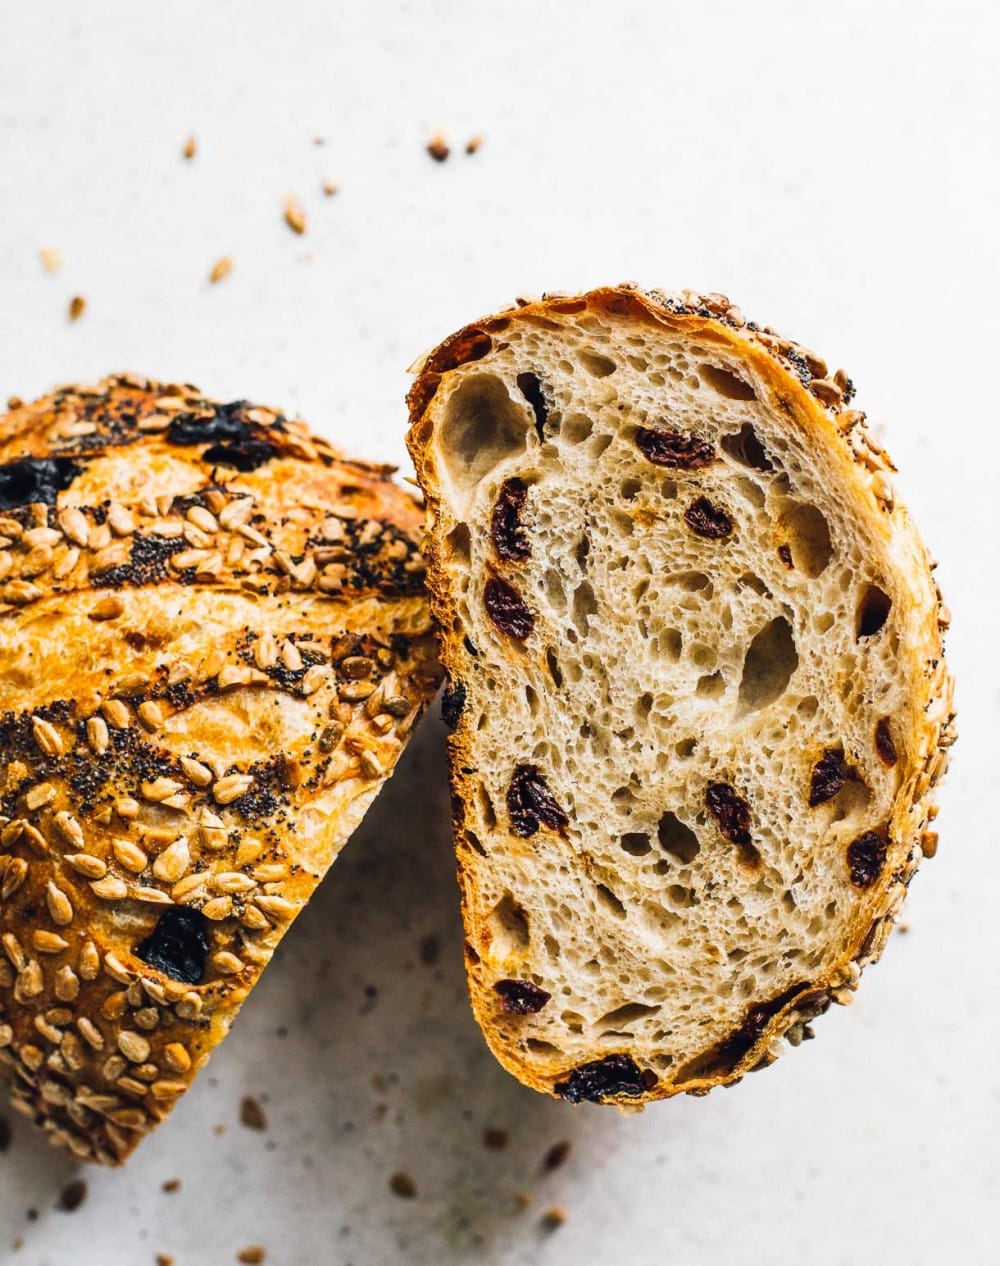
(252, 1115)
(252, 1256)
(51, 259)
(295, 216)
(552, 1219)
(77, 307)
(190, 148)
(330, 188)
(438, 148)
(172, 1185)
(72, 1196)
(402, 1185)
(164, 1259)
(220, 269)
(495, 1140)
(472, 144)
(557, 1154)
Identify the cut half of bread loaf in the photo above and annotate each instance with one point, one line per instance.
(696, 684)
(214, 644)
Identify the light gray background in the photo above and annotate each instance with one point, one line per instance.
(833, 167)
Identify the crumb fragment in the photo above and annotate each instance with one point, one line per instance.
(552, 1219)
(556, 1155)
(77, 307)
(51, 259)
(402, 1185)
(172, 1185)
(252, 1256)
(319, 140)
(473, 143)
(523, 1200)
(220, 269)
(438, 148)
(14, 402)
(72, 1196)
(252, 1115)
(295, 216)
(495, 1140)
(329, 188)
(430, 950)
(164, 1259)
(190, 148)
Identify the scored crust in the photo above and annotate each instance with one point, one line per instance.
(580, 972)
(215, 643)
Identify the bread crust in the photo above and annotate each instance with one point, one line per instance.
(215, 643)
(819, 403)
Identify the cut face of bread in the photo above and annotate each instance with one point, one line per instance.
(695, 678)
(215, 643)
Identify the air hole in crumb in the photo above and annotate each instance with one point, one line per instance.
(711, 686)
(595, 364)
(483, 427)
(629, 489)
(671, 642)
(676, 838)
(873, 611)
(644, 704)
(752, 490)
(771, 659)
(553, 586)
(726, 383)
(668, 490)
(553, 666)
(680, 896)
(576, 428)
(808, 707)
(486, 809)
(597, 445)
(690, 581)
(636, 843)
(474, 841)
(624, 1015)
(460, 542)
(583, 551)
(531, 697)
(686, 748)
(584, 606)
(539, 1047)
(746, 448)
(610, 902)
(808, 536)
(749, 581)
(823, 621)
(506, 929)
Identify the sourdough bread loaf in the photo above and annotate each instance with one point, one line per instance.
(214, 643)
(695, 678)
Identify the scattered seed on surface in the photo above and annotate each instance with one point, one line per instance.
(51, 259)
(77, 307)
(72, 1196)
(252, 1115)
(402, 1185)
(439, 150)
(190, 148)
(220, 270)
(295, 216)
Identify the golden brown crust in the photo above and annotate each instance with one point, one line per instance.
(819, 402)
(215, 643)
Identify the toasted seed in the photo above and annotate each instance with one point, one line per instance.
(173, 862)
(218, 908)
(116, 969)
(14, 951)
(151, 714)
(220, 270)
(160, 789)
(370, 766)
(295, 216)
(41, 793)
(248, 852)
(30, 982)
(313, 678)
(47, 737)
(66, 985)
(74, 525)
(276, 907)
(90, 961)
(120, 520)
(356, 691)
(110, 888)
(290, 656)
(133, 1046)
(87, 865)
(116, 714)
(69, 828)
(231, 787)
(226, 963)
(60, 906)
(109, 608)
(198, 773)
(330, 736)
(213, 663)
(97, 735)
(14, 876)
(48, 942)
(233, 882)
(176, 1057)
(77, 307)
(126, 807)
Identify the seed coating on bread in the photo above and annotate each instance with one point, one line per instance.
(695, 683)
(214, 643)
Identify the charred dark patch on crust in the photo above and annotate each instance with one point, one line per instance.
(506, 529)
(505, 607)
(178, 945)
(866, 858)
(530, 803)
(452, 702)
(245, 455)
(674, 449)
(708, 520)
(520, 997)
(612, 1077)
(149, 563)
(33, 480)
(469, 344)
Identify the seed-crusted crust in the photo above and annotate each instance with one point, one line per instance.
(215, 643)
(802, 386)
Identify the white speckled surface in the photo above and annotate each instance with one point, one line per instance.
(833, 168)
